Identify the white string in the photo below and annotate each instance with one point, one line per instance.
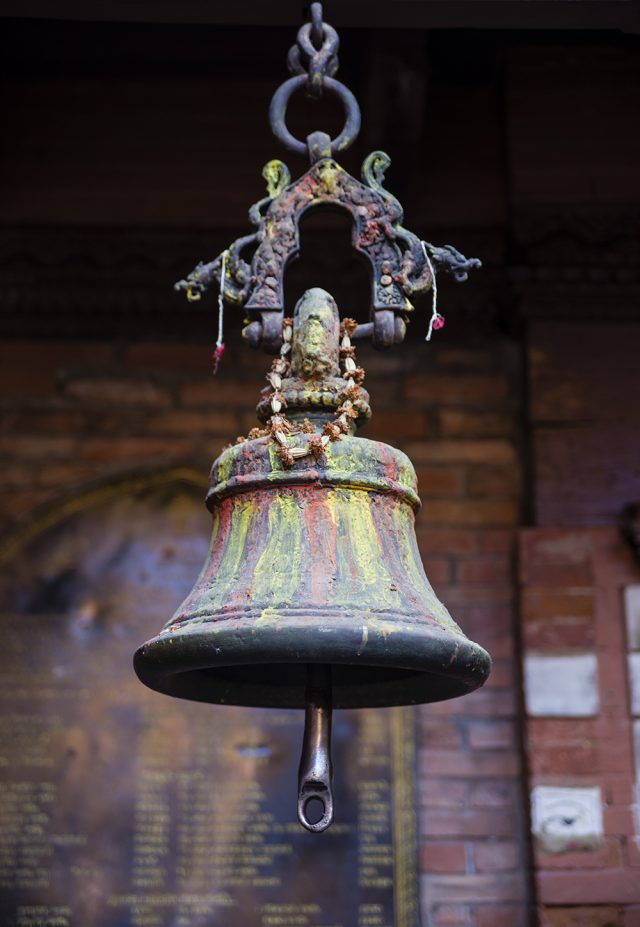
(434, 292)
(223, 273)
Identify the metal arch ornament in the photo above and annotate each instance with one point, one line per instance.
(256, 263)
(394, 255)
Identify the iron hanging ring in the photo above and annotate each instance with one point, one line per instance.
(278, 111)
(323, 61)
(295, 65)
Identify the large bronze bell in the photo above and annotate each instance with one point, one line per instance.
(313, 593)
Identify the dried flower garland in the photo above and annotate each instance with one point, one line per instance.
(280, 430)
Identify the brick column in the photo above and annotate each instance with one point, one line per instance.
(579, 726)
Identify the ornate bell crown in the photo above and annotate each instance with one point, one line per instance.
(313, 594)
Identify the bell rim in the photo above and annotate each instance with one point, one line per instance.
(224, 661)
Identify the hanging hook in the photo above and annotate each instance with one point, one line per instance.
(315, 777)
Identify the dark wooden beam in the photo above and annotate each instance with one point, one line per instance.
(384, 14)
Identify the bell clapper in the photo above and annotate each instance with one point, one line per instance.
(315, 791)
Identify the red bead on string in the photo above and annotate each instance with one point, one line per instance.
(219, 351)
(217, 357)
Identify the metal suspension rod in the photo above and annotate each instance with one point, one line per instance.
(315, 791)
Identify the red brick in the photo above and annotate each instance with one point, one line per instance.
(612, 886)
(492, 616)
(25, 381)
(497, 856)
(553, 546)
(14, 504)
(446, 540)
(617, 788)
(439, 762)
(492, 794)
(467, 452)
(65, 474)
(485, 570)
(473, 823)
(561, 732)
(475, 390)
(213, 392)
(132, 449)
(619, 820)
(191, 421)
(443, 792)
(17, 475)
(439, 481)
(163, 356)
(462, 357)
(442, 856)
(471, 423)
(474, 888)
(558, 635)
(37, 447)
(482, 703)
(560, 574)
(396, 423)
(556, 557)
(502, 674)
(435, 732)
(491, 735)
(501, 645)
(29, 369)
(631, 851)
(580, 917)
(53, 421)
(470, 512)
(564, 761)
(439, 571)
(451, 915)
(549, 604)
(496, 540)
(504, 915)
(493, 481)
(630, 917)
(108, 391)
(608, 856)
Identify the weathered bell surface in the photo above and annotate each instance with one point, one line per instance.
(313, 563)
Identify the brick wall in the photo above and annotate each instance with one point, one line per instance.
(78, 411)
(580, 737)
(579, 726)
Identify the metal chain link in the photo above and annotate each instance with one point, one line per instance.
(315, 52)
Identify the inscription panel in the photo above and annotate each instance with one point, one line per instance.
(120, 807)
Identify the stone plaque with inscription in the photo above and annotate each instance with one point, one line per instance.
(122, 808)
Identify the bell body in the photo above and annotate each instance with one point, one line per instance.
(313, 564)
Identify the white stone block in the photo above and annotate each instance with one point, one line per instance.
(566, 819)
(561, 686)
(632, 614)
(633, 660)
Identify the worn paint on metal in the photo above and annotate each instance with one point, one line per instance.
(317, 556)
(313, 561)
